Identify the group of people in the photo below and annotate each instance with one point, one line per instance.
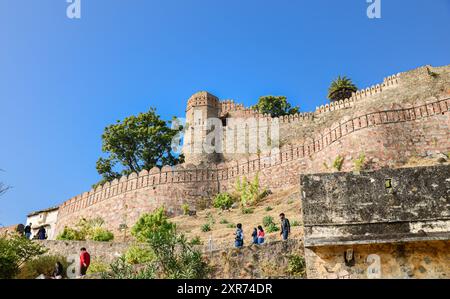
(41, 234)
(85, 261)
(258, 235)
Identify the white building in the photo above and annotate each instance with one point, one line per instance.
(45, 218)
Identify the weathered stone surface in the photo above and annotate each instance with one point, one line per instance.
(391, 223)
(389, 204)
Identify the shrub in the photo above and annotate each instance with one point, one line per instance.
(360, 162)
(70, 234)
(101, 234)
(136, 255)
(231, 225)
(97, 267)
(267, 220)
(295, 223)
(210, 218)
(41, 265)
(87, 229)
(120, 269)
(247, 211)
(185, 208)
(268, 209)
(297, 266)
(196, 241)
(15, 251)
(205, 228)
(338, 162)
(272, 228)
(153, 225)
(249, 192)
(174, 256)
(224, 221)
(223, 201)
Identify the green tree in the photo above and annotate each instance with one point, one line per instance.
(174, 257)
(137, 143)
(152, 225)
(275, 106)
(341, 88)
(14, 252)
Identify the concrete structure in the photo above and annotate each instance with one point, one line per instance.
(45, 218)
(405, 116)
(391, 223)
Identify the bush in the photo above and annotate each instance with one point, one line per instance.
(267, 220)
(295, 223)
(101, 234)
(249, 192)
(174, 256)
(272, 228)
(153, 225)
(268, 209)
(97, 267)
(223, 201)
(70, 234)
(205, 228)
(137, 255)
(196, 241)
(247, 211)
(120, 269)
(297, 266)
(41, 265)
(87, 229)
(360, 162)
(185, 208)
(224, 221)
(338, 162)
(15, 251)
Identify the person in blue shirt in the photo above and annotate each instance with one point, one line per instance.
(239, 240)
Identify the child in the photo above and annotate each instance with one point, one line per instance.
(239, 240)
(255, 236)
(261, 235)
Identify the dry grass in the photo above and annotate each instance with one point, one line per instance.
(286, 201)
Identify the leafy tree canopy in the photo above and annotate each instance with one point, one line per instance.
(275, 106)
(137, 143)
(341, 88)
(14, 252)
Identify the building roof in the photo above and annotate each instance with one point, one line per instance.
(43, 211)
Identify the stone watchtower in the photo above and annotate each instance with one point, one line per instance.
(201, 106)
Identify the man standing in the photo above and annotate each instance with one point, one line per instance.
(27, 231)
(85, 260)
(285, 226)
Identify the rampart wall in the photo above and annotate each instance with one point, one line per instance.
(386, 137)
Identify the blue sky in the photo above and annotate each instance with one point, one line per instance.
(62, 81)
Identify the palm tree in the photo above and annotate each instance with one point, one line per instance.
(341, 88)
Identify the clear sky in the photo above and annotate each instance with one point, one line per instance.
(62, 81)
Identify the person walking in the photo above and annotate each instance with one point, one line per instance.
(261, 235)
(85, 261)
(27, 231)
(42, 233)
(255, 236)
(239, 240)
(285, 227)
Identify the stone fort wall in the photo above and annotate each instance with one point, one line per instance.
(407, 115)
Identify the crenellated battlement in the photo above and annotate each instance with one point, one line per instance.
(405, 116)
(189, 173)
